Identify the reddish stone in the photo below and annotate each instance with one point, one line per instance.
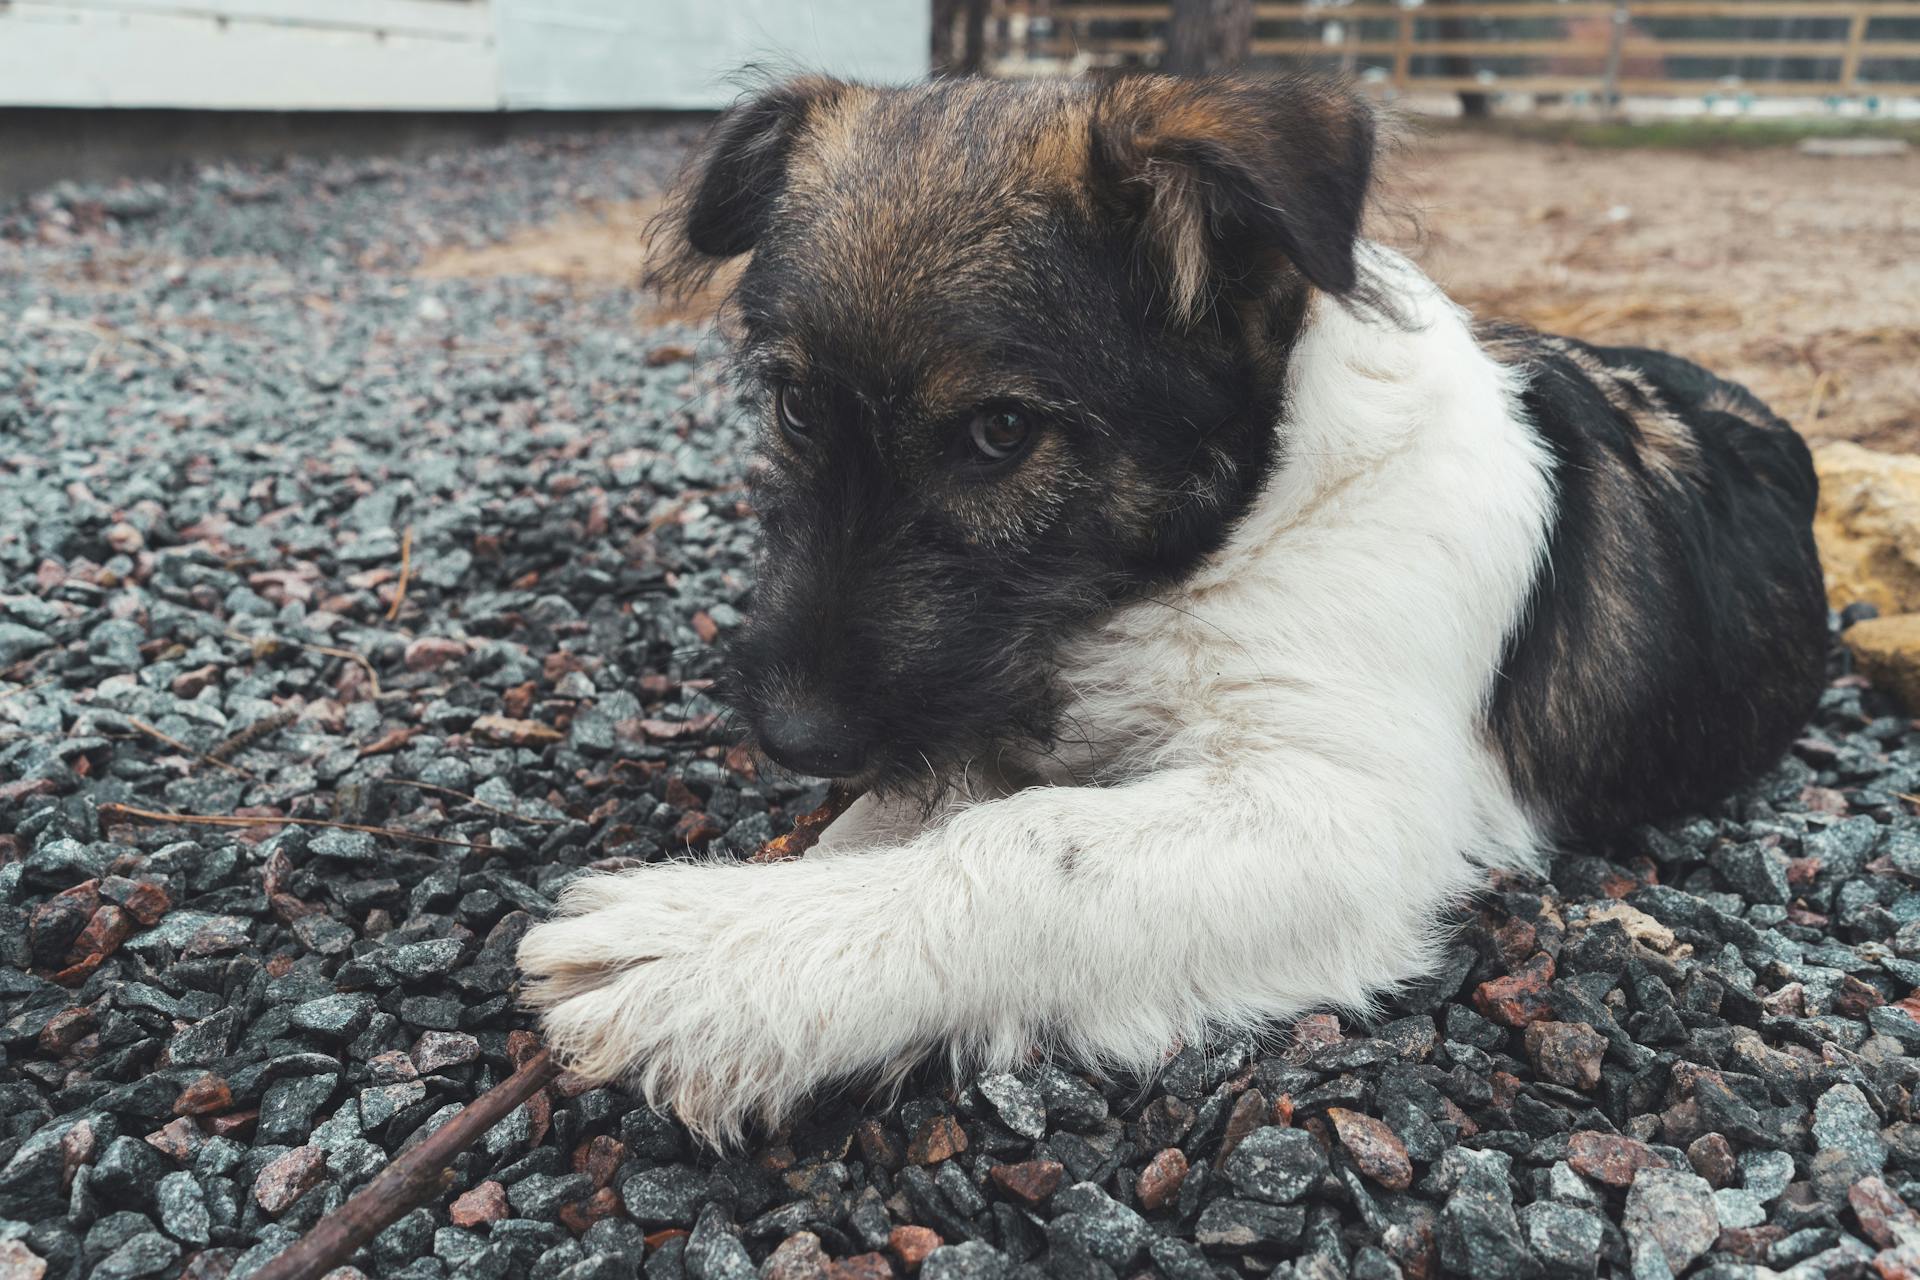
(230, 1125)
(486, 1202)
(177, 1138)
(1249, 1113)
(1884, 1216)
(64, 1030)
(539, 1117)
(518, 700)
(912, 1245)
(1283, 1110)
(109, 927)
(1711, 1156)
(697, 828)
(190, 684)
(799, 1257)
(1750, 1243)
(430, 652)
(511, 732)
(705, 627)
(1520, 997)
(205, 1096)
(438, 1050)
(286, 1178)
(1566, 1053)
(599, 1159)
(1610, 1157)
(76, 1149)
(679, 794)
(17, 1262)
(1376, 1150)
(1516, 940)
(1312, 1033)
(864, 1266)
(877, 1146)
(521, 1046)
(658, 1238)
(1031, 1182)
(146, 902)
(580, 1215)
(1855, 997)
(939, 1138)
(1161, 1180)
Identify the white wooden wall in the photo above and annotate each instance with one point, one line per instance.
(458, 55)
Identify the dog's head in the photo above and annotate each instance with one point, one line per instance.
(1019, 349)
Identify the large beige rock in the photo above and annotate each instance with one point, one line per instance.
(1868, 527)
(1887, 651)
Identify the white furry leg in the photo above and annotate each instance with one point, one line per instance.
(1102, 921)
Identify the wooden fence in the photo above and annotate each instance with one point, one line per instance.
(1612, 44)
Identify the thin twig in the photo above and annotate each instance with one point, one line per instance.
(406, 572)
(373, 677)
(19, 689)
(475, 800)
(246, 737)
(184, 749)
(807, 828)
(410, 1180)
(218, 820)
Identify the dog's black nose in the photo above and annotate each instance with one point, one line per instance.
(812, 742)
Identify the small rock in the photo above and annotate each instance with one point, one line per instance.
(1521, 997)
(798, 1257)
(486, 1202)
(1565, 1239)
(286, 1178)
(1276, 1165)
(1843, 1121)
(1160, 1181)
(973, 1260)
(1711, 1156)
(1377, 1152)
(1234, 1226)
(1031, 1182)
(938, 1138)
(912, 1245)
(1672, 1212)
(1610, 1157)
(1566, 1053)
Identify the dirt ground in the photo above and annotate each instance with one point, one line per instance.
(1799, 275)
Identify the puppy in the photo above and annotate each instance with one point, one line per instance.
(1201, 600)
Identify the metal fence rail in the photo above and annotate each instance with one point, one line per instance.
(1613, 36)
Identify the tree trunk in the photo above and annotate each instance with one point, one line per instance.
(1205, 36)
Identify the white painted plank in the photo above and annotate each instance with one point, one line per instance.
(684, 53)
(463, 19)
(88, 58)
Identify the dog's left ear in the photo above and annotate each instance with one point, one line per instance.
(1230, 181)
(725, 196)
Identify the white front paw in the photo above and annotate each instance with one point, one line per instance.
(675, 979)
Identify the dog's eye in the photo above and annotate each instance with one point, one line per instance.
(998, 434)
(790, 406)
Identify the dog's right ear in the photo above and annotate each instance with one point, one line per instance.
(723, 199)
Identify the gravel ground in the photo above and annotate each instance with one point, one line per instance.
(286, 532)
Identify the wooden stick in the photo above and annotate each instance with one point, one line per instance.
(422, 1173)
(807, 828)
(184, 749)
(406, 571)
(113, 809)
(410, 1180)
